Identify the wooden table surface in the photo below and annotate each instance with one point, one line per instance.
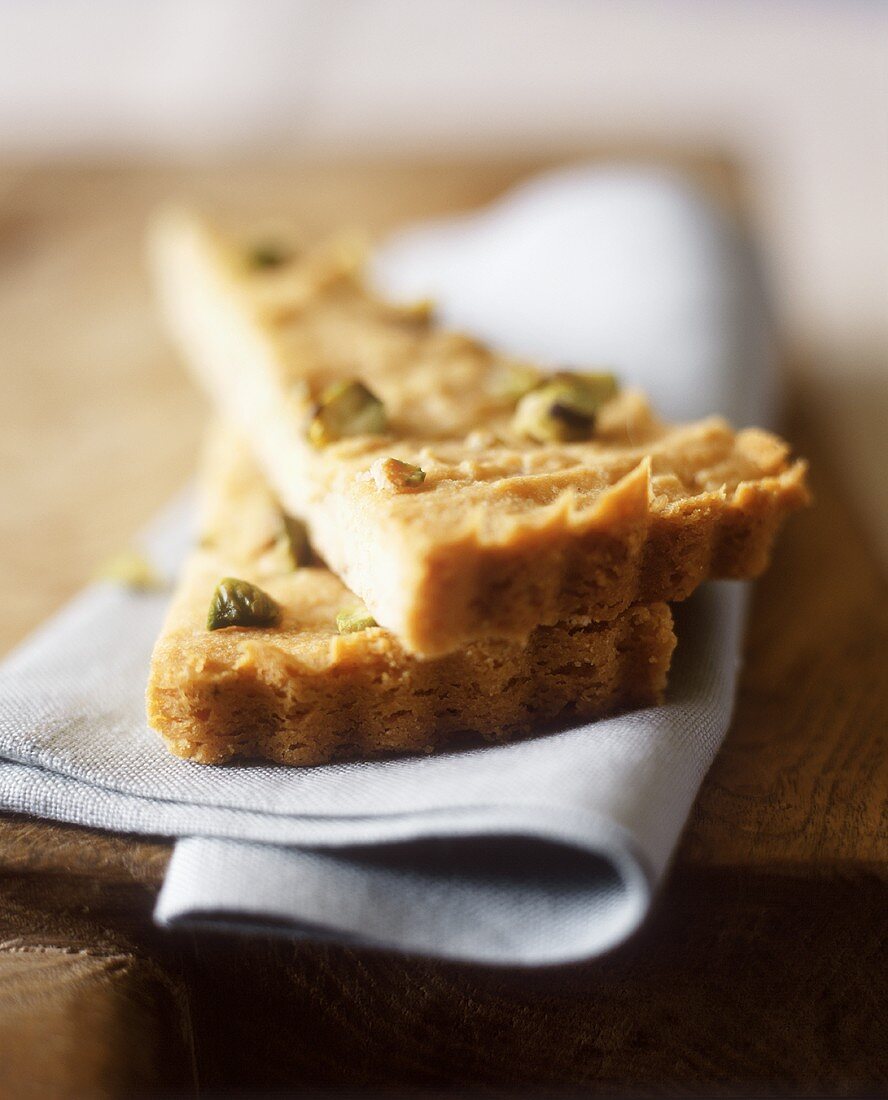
(763, 967)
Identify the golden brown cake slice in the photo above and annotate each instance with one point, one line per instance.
(301, 692)
(458, 493)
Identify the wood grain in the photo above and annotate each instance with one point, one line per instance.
(763, 968)
(707, 1000)
(86, 1024)
(802, 780)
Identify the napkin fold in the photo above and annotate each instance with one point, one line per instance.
(543, 851)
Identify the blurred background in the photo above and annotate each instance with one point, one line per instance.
(795, 92)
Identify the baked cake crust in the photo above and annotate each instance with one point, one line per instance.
(301, 693)
(503, 534)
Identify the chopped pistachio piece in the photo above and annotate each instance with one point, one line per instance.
(591, 387)
(392, 473)
(267, 254)
(240, 603)
(554, 413)
(354, 619)
(131, 570)
(563, 409)
(346, 408)
(295, 537)
(515, 378)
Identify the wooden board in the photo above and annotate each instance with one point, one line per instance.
(763, 967)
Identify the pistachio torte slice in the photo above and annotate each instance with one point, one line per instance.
(459, 493)
(265, 653)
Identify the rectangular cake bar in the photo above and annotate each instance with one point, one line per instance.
(300, 692)
(503, 527)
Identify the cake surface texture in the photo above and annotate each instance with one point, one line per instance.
(504, 533)
(300, 692)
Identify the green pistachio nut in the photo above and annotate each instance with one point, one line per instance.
(267, 254)
(354, 619)
(564, 407)
(591, 388)
(401, 476)
(131, 570)
(294, 538)
(514, 378)
(553, 414)
(240, 603)
(346, 408)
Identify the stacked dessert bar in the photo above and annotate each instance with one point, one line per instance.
(408, 539)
